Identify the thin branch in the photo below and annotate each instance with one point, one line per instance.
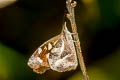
(71, 16)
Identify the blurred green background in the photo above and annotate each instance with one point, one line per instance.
(26, 24)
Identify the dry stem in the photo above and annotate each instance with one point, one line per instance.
(71, 16)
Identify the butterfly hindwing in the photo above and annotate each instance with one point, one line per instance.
(63, 55)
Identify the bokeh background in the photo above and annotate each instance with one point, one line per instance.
(26, 24)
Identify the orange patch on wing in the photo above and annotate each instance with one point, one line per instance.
(43, 57)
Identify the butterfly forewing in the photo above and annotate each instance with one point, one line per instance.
(39, 59)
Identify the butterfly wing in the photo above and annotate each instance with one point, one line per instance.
(58, 53)
(39, 59)
(63, 55)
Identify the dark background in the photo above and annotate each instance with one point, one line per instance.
(26, 24)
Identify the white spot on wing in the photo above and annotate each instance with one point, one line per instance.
(47, 55)
(39, 50)
(49, 46)
(39, 60)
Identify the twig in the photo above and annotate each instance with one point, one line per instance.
(70, 7)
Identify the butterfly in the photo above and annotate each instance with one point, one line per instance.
(58, 54)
